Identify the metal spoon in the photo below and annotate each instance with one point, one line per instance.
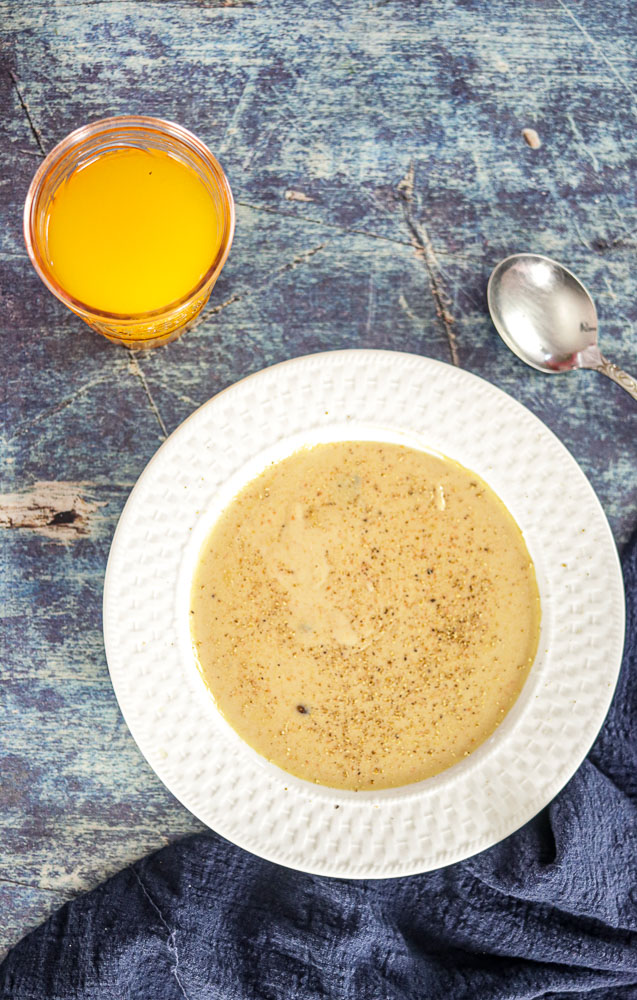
(547, 317)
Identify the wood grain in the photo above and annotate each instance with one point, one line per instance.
(378, 158)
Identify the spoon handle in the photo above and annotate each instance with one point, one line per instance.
(622, 378)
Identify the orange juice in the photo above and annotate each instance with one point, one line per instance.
(132, 231)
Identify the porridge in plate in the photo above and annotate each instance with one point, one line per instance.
(365, 614)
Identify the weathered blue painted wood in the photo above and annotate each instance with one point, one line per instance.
(377, 157)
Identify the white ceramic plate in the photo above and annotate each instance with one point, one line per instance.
(386, 396)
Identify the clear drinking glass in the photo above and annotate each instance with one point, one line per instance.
(136, 330)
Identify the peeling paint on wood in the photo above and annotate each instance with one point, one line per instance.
(297, 196)
(59, 511)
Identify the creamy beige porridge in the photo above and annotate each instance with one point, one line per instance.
(365, 614)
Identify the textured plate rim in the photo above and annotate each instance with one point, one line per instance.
(318, 852)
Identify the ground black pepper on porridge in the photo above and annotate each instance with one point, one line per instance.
(365, 614)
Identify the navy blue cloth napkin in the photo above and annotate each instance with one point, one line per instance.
(549, 912)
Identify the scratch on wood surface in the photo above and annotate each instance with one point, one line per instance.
(581, 141)
(581, 236)
(301, 258)
(29, 885)
(620, 216)
(45, 414)
(227, 302)
(167, 386)
(231, 128)
(404, 305)
(136, 370)
(610, 289)
(597, 47)
(424, 249)
(59, 511)
(323, 224)
(25, 107)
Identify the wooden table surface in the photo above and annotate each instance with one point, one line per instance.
(378, 162)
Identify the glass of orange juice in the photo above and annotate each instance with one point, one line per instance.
(129, 221)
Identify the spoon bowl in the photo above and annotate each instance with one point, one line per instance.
(547, 317)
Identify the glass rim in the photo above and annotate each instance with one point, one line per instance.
(167, 128)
